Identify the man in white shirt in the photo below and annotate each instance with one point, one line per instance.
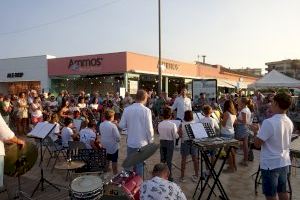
(182, 103)
(6, 135)
(274, 138)
(159, 187)
(137, 119)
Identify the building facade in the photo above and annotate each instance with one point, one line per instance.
(250, 71)
(110, 72)
(288, 67)
(127, 71)
(23, 74)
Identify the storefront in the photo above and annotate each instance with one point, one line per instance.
(24, 74)
(126, 71)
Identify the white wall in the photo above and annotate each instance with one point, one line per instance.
(35, 68)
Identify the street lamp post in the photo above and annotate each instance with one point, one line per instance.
(159, 52)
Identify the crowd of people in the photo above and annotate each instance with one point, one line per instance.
(104, 117)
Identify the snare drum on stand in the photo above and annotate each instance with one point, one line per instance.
(124, 186)
(86, 187)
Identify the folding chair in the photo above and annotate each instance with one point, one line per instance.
(54, 150)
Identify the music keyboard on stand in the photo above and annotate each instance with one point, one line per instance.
(214, 143)
(205, 145)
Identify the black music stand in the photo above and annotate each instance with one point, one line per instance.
(40, 132)
(210, 133)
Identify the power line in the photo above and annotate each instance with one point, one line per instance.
(60, 19)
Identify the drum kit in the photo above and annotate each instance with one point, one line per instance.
(124, 186)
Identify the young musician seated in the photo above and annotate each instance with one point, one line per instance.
(88, 135)
(67, 133)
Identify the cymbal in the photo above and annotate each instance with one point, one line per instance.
(142, 154)
(19, 161)
(69, 165)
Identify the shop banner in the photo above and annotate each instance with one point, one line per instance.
(133, 87)
(207, 86)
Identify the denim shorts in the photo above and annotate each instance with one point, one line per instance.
(187, 148)
(274, 181)
(242, 131)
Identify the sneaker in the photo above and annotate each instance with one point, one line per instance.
(182, 180)
(195, 178)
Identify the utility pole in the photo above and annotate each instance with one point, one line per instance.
(159, 52)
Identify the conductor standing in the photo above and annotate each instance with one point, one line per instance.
(137, 119)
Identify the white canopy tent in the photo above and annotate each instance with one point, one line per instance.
(275, 79)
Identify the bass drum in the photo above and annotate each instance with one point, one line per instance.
(19, 161)
(124, 186)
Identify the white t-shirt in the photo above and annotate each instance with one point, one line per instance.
(185, 136)
(182, 105)
(37, 113)
(213, 123)
(137, 119)
(110, 136)
(94, 106)
(81, 105)
(247, 111)
(5, 134)
(87, 135)
(228, 129)
(167, 130)
(53, 135)
(276, 132)
(66, 136)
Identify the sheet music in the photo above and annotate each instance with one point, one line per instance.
(77, 124)
(198, 130)
(41, 130)
(177, 122)
(200, 116)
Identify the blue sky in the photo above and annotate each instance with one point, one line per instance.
(233, 33)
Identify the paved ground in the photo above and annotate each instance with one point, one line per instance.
(239, 185)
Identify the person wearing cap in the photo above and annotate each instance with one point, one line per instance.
(159, 187)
